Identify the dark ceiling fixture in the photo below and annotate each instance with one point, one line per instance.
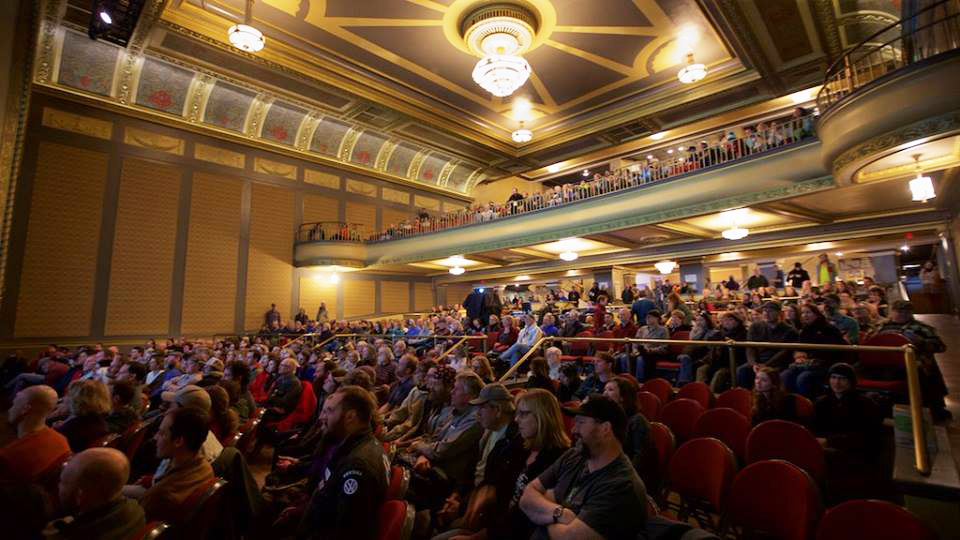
(114, 20)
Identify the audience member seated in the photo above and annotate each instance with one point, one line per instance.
(122, 414)
(809, 369)
(285, 392)
(403, 384)
(592, 490)
(650, 353)
(602, 372)
(89, 404)
(526, 339)
(212, 372)
(847, 325)
(386, 367)
(224, 421)
(569, 383)
(191, 376)
(240, 372)
(37, 447)
(539, 375)
(194, 397)
(695, 356)
(770, 402)
(403, 421)
(481, 366)
(717, 370)
(637, 444)
(354, 472)
(179, 439)
(91, 498)
(927, 343)
(771, 329)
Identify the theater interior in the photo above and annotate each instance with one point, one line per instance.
(195, 179)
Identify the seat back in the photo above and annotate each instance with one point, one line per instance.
(664, 441)
(676, 348)
(602, 346)
(877, 520)
(698, 392)
(757, 503)
(804, 408)
(395, 521)
(650, 405)
(728, 426)
(888, 360)
(206, 504)
(491, 340)
(789, 441)
(131, 439)
(660, 388)
(399, 481)
(581, 348)
(681, 415)
(567, 419)
(304, 411)
(738, 399)
(702, 469)
(152, 531)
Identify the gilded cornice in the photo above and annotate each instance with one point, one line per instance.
(446, 171)
(383, 156)
(413, 171)
(827, 26)
(938, 125)
(307, 128)
(255, 115)
(671, 214)
(52, 12)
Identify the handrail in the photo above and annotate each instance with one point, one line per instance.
(321, 231)
(868, 61)
(921, 458)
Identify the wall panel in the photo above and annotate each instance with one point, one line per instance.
(141, 270)
(358, 297)
(393, 216)
(394, 296)
(423, 296)
(210, 285)
(317, 208)
(314, 290)
(457, 293)
(270, 261)
(363, 214)
(63, 232)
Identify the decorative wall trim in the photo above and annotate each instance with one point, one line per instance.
(942, 124)
(361, 188)
(394, 195)
(274, 168)
(426, 202)
(220, 156)
(75, 123)
(321, 179)
(153, 141)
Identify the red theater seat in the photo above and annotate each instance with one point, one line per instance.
(681, 415)
(876, 520)
(789, 441)
(726, 425)
(738, 399)
(304, 411)
(396, 521)
(757, 503)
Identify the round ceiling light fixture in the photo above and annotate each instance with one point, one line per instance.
(569, 256)
(735, 233)
(244, 36)
(457, 270)
(692, 72)
(499, 34)
(665, 267)
(522, 135)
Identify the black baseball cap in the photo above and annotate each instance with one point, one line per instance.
(602, 409)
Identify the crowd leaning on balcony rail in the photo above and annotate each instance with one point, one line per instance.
(720, 148)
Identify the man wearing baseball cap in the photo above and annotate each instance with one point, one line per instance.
(592, 490)
(770, 329)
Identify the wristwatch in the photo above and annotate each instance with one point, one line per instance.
(557, 514)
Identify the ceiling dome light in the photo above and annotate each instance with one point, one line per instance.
(665, 267)
(457, 270)
(569, 256)
(501, 75)
(693, 72)
(246, 38)
(735, 233)
(521, 135)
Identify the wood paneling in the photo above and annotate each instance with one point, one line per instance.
(317, 208)
(423, 296)
(210, 284)
(391, 215)
(316, 289)
(143, 248)
(270, 260)
(394, 296)
(63, 232)
(457, 292)
(358, 297)
(363, 214)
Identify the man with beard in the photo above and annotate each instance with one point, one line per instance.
(592, 490)
(354, 468)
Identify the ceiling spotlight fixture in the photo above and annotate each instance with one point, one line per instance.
(500, 34)
(921, 187)
(693, 71)
(569, 256)
(521, 135)
(839, 254)
(586, 172)
(665, 267)
(244, 36)
(457, 270)
(802, 96)
(659, 135)
(106, 18)
(649, 156)
(553, 168)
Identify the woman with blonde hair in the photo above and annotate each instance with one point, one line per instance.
(89, 404)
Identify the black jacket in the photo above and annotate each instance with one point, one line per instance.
(352, 488)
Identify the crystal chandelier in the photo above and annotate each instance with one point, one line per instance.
(693, 71)
(500, 34)
(244, 36)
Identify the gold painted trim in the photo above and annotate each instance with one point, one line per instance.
(75, 123)
(305, 131)
(383, 156)
(413, 171)
(195, 105)
(220, 156)
(347, 143)
(253, 122)
(130, 78)
(473, 179)
(320, 178)
(445, 172)
(153, 141)
(275, 168)
(48, 44)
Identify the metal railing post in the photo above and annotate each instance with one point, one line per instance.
(920, 456)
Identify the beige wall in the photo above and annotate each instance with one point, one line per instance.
(500, 190)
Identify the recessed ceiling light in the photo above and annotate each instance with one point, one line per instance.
(650, 156)
(553, 168)
(658, 136)
(106, 18)
(586, 172)
(839, 254)
(670, 151)
(681, 148)
(904, 248)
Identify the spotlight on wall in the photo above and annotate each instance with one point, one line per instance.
(114, 20)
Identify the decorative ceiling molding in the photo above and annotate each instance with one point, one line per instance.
(152, 85)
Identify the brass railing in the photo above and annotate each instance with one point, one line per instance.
(925, 34)
(921, 457)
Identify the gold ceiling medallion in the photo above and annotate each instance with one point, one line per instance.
(499, 34)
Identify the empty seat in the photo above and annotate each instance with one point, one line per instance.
(738, 399)
(876, 520)
(701, 472)
(396, 521)
(757, 502)
(698, 392)
(871, 362)
(673, 350)
(726, 425)
(578, 349)
(681, 415)
(789, 441)
(804, 408)
(649, 405)
(660, 388)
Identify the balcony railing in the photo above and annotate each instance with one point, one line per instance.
(931, 31)
(331, 231)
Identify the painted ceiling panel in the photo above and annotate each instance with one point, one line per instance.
(163, 86)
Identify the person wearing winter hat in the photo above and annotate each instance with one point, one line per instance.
(846, 422)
